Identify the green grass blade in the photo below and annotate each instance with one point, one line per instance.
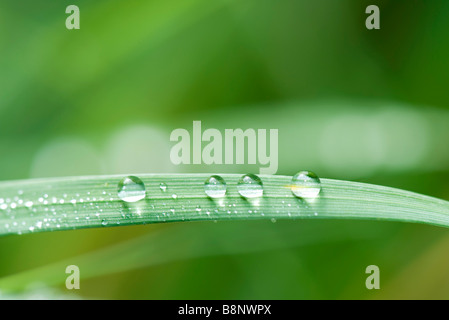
(86, 202)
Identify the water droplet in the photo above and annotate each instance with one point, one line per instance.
(215, 187)
(163, 187)
(306, 184)
(131, 189)
(250, 186)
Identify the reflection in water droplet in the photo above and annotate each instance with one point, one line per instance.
(306, 184)
(250, 186)
(215, 187)
(131, 189)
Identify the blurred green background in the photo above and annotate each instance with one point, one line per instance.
(349, 103)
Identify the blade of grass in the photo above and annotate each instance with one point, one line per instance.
(86, 202)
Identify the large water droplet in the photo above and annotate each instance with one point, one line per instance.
(306, 184)
(215, 187)
(131, 189)
(250, 186)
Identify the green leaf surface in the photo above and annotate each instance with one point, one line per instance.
(86, 202)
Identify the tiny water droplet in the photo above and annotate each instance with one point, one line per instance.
(131, 189)
(306, 184)
(163, 187)
(250, 186)
(215, 187)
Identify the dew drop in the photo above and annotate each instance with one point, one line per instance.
(163, 187)
(306, 184)
(215, 187)
(131, 189)
(250, 186)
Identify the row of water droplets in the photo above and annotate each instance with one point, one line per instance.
(40, 210)
(304, 184)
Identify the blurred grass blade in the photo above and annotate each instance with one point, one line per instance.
(85, 202)
(180, 242)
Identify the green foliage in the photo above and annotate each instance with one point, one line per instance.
(86, 202)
